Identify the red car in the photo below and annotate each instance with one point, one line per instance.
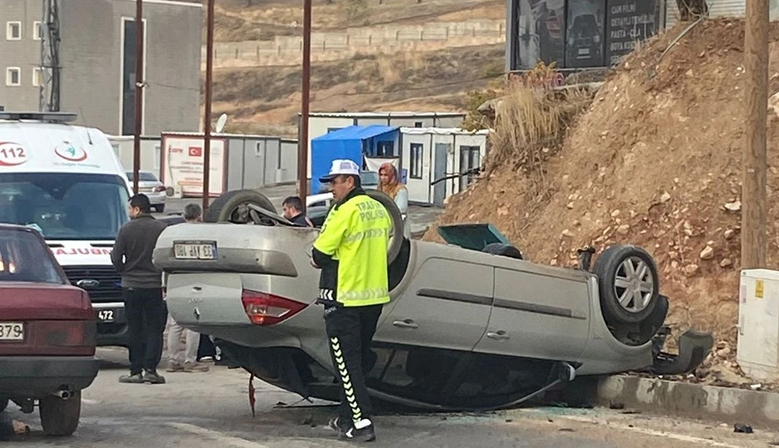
(47, 333)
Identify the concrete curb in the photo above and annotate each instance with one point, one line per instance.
(691, 400)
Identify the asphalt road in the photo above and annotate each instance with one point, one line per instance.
(200, 410)
(420, 217)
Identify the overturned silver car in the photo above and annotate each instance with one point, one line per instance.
(471, 324)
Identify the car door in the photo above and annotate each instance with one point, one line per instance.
(539, 312)
(446, 306)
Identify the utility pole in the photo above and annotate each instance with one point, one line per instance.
(207, 118)
(138, 93)
(303, 143)
(753, 193)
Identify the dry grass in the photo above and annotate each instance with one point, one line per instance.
(530, 126)
(393, 68)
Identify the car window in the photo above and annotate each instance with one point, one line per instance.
(369, 178)
(144, 176)
(25, 258)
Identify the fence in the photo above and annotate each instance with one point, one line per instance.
(286, 50)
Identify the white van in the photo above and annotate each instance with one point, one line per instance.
(67, 182)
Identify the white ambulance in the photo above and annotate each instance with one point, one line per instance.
(67, 182)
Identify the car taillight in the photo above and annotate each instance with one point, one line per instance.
(159, 189)
(267, 309)
(65, 334)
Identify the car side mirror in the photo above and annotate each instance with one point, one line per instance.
(566, 372)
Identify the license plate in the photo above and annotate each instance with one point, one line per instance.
(195, 251)
(11, 331)
(106, 315)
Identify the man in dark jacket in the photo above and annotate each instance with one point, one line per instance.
(293, 211)
(142, 291)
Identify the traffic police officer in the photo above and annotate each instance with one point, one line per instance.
(351, 250)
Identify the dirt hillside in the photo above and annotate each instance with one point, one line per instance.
(653, 162)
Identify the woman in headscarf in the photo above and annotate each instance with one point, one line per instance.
(389, 184)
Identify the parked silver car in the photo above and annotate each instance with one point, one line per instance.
(152, 187)
(471, 324)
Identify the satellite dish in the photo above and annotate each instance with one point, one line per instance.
(220, 123)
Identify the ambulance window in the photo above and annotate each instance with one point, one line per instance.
(65, 206)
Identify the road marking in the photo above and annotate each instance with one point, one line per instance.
(216, 436)
(88, 401)
(651, 432)
(224, 440)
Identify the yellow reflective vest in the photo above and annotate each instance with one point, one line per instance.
(356, 234)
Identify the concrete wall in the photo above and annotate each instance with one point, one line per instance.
(91, 57)
(23, 54)
(287, 50)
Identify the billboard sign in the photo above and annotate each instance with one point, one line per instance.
(629, 22)
(182, 165)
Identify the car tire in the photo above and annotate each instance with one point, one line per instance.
(159, 208)
(506, 250)
(224, 207)
(619, 269)
(396, 239)
(59, 417)
(3, 404)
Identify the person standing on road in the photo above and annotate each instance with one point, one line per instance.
(142, 291)
(293, 211)
(389, 184)
(351, 250)
(183, 359)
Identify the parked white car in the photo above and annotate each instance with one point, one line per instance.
(152, 187)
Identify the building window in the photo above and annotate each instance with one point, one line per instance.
(13, 76)
(417, 150)
(469, 159)
(37, 31)
(13, 31)
(385, 149)
(418, 124)
(37, 77)
(259, 149)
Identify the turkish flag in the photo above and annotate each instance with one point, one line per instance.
(195, 151)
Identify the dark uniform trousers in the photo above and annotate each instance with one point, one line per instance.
(146, 318)
(350, 331)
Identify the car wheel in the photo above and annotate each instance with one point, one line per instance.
(628, 284)
(232, 206)
(506, 250)
(159, 208)
(60, 417)
(3, 404)
(396, 239)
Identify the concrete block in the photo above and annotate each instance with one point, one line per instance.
(690, 400)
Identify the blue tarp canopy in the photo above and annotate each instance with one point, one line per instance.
(348, 143)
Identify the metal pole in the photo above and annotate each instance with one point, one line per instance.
(303, 144)
(138, 93)
(207, 118)
(753, 193)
